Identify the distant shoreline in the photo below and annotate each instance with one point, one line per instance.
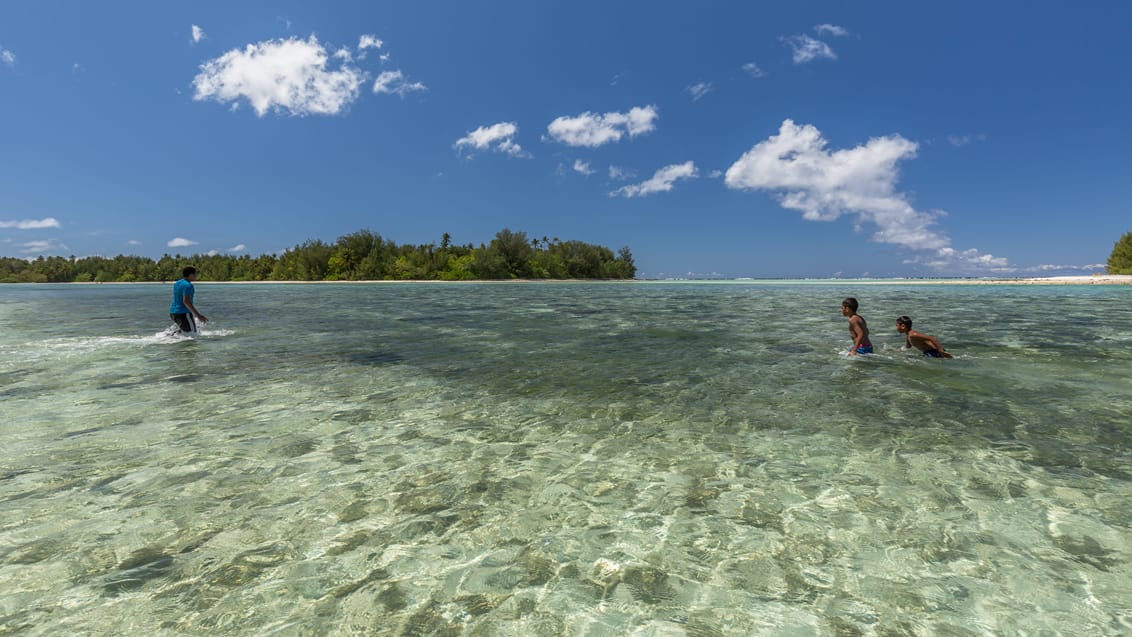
(1095, 279)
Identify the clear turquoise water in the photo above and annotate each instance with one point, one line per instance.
(565, 459)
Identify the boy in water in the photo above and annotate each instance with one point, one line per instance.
(926, 343)
(858, 329)
(182, 310)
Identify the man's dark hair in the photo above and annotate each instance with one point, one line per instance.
(851, 303)
(187, 271)
(905, 321)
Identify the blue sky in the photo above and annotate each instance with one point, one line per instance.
(770, 139)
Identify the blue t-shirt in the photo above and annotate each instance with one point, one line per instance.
(180, 289)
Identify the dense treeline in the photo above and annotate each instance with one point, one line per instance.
(360, 256)
(1120, 261)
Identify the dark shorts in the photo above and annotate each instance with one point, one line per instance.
(934, 353)
(865, 348)
(185, 322)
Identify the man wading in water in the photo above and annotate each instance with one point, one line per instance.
(182, 310)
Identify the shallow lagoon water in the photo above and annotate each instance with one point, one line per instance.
(565, 459)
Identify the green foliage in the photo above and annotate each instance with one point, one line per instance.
(1120, 261)
(359, 256)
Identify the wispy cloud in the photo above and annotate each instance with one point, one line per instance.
(620, 174)
(237, 248)
(699, 89)
(197, 34)
(32, 224)
(180, 242)
(662, 181)
(583, 167)
(133, 242)
(807, 49)
(754, 70)
(831, 29)
(965, 140)
(43, 247)
(824, 185)
(592, 130)
(394, 83)
(498, 137)
(283, 75)
(7, 57)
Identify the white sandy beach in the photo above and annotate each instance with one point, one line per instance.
(1094, 279)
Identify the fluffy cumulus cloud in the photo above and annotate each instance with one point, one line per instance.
(498, 137)
(237, 248)
(288, 76)
(32, 224)
(366, 42)
(807, 49)
(180, 242)
(824, 185)
(583, 167)
(592, 130)
(699, 89)
(7, 57)
(662, 181)
(394, 83)
(197, 34)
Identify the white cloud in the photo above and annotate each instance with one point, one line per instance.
(212, 253)
(753, 70)
(237, 248)
(965, 140)
(499, 137)
(807, 49)
(393, 82)
(197, 34)
(619, 173)
(41, 247)
(283, 75)
(179, 242)
(699, 89)
(824, 185)
(831, 29)
(583, 167)
(715, 174)
(1054, 268)
(32, 224)
(592, 130)
(133, 242)
(662, 181)
(7, 57)
(368, 42)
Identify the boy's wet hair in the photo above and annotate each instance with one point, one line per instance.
(187, 271)
(850, 303)
(905, 321)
